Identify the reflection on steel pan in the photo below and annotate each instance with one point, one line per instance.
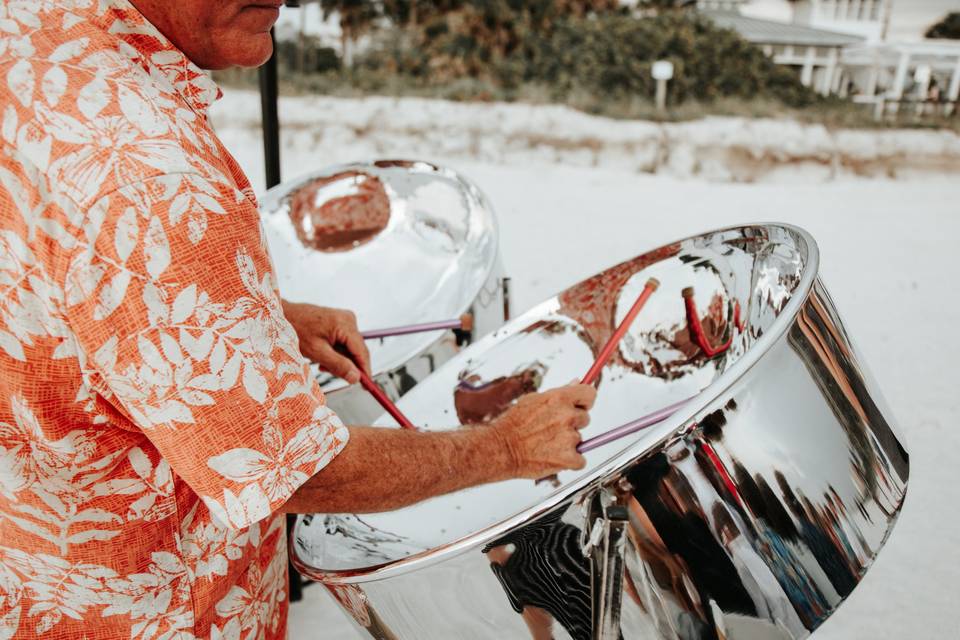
(752, 512)
(397, 242)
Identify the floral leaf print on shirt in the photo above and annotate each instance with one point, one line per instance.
(156, 411)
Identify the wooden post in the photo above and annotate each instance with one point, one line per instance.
(953, 93)
(826, 85)
(900, 79)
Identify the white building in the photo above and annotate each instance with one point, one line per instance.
(815, 51)
(841, 46)
(905, 71)
(866, 18)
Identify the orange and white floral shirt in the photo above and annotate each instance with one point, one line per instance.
(155, 410)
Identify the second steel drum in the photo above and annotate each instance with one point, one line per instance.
(397, 242)
(749, 514)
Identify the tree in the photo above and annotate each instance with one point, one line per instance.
(949, 27)
(356, 17)
(653, 7)
(410, 13)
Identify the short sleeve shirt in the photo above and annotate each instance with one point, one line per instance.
(155, 411)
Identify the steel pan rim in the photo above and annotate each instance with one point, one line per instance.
(273, 200)
(674, 426)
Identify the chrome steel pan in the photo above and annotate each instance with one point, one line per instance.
(751, 513)
(397, 242)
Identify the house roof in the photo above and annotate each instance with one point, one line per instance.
(940, 54)
(770, 32)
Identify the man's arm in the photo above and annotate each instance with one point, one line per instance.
(383, 469)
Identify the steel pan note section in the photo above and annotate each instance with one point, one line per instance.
(752, 512)
(397, 242)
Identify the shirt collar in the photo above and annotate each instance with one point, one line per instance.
(158, 55)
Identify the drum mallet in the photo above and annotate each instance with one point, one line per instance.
(697, 334)
(374, 389)
(594, 372)
(463, 323)
(608, 348)
(630, 428)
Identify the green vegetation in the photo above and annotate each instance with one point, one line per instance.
(607, 56)
(949, 27)
(588, 54)
(565, 48)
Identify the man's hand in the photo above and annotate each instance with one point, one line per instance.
(383, 469)
(322, 332)
(542, 430)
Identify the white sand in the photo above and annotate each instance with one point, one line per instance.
(888, 257)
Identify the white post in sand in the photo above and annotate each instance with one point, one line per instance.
(662, 71)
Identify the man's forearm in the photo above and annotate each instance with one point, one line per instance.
(383, 469)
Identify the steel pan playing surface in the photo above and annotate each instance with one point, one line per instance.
(782, 448)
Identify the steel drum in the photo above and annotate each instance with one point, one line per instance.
(751, 513)
(397, 242)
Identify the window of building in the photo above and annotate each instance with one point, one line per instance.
(828, 8)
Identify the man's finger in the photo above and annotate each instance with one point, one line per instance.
(580, 419)
(341, 366)
(357, 347)
(577, 462)
(581, 395)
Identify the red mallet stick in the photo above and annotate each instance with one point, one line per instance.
(737, 320)
(696, 329)
(607, 351)
(374, 389)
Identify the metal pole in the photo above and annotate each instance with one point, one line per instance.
(271, 165)
(661, 95)
(271, 122)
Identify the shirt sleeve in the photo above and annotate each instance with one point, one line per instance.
(174, 305)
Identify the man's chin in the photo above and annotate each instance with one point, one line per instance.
(252, 53)
(257, 59)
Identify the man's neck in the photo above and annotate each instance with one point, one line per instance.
(172, 19)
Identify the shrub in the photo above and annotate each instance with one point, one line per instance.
(609, 54)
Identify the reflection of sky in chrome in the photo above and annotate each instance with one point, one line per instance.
(430, 262)
(714, 267)
(821, 447)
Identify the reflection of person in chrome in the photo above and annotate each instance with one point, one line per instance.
(158, 417)
(545, 576)
(672, 507)
(768, 596)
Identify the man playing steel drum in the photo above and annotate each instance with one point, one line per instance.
(157, 416)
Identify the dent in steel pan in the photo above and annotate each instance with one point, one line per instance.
(752, 512)
(397, 242)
